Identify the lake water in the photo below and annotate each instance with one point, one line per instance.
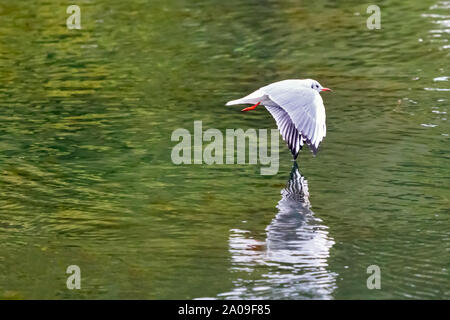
(86, 175)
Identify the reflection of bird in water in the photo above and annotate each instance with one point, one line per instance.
(293, 211)
(293, 260)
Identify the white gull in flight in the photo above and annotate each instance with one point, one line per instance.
(297, 108)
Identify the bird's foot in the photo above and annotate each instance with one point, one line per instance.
(252, 107)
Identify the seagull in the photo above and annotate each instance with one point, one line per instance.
(297, 108)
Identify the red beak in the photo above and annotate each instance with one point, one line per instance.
(326, 89)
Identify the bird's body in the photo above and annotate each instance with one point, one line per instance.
(297, 108)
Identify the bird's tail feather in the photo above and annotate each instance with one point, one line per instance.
(233, 102)
(252, 98)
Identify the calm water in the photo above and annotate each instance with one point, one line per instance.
(87, 179)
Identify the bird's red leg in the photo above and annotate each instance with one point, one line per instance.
(252, 107)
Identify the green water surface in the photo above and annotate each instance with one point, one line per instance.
(86, 176)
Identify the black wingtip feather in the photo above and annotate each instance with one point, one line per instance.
(313, 149)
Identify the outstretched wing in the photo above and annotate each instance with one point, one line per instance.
(287, 128)
(304, 107)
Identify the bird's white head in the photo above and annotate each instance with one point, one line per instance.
(313, 84)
